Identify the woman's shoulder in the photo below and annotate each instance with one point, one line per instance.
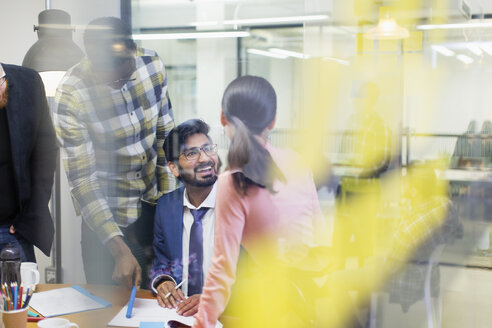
(225, 181)
(228, 194)
(226, 186)
(291, 163)
(285, 155)
(226, 175)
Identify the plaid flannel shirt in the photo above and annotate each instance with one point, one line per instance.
(369, 143)
(112, 142)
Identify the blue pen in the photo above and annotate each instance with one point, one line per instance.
(32, 314)
(15, 297)
(130, 303)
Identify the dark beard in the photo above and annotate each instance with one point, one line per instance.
(192, 180)
(4, 97)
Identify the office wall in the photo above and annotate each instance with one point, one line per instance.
(16, 37)
(18, 18)
(16, 28)
(459, 96)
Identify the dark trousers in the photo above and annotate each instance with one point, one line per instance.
(98, 261)
(25, 248)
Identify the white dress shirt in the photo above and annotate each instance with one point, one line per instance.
(208, 224)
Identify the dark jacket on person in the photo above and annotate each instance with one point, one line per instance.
(34, 154)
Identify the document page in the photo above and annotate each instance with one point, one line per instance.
(65, 301)
(148, 310)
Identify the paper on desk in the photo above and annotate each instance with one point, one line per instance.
(152, 325)
(149, 310)
(66, 300)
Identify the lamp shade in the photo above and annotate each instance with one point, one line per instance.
(387, 29)
(55, 49)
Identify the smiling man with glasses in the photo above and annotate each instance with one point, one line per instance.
(185, 218)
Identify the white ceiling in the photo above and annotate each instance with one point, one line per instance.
(171, 13)
(478, 6)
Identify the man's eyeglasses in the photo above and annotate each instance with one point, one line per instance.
(192, 154)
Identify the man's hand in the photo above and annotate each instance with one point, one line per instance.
(189, 306)
(173, 300)
(127, 271)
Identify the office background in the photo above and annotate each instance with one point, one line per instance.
(428, 97)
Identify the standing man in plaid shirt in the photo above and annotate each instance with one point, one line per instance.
(111, 117)
(368, 142)
(369, 138)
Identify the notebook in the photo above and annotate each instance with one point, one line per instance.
(149, 311)
(66, 300)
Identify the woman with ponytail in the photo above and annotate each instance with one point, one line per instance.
(263, 190)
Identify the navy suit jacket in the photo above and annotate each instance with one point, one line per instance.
(168, 239)
(34, 154)
(168, 236)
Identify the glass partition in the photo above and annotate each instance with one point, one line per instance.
(388, 103)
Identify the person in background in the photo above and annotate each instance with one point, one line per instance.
(112, 113)
(265, 195)
(368, 143)
(28, 153)
(185, 218)
(368, 140)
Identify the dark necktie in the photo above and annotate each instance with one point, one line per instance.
(195, 269)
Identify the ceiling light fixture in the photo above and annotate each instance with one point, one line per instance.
(487, 47)
(454, 26)
(465, 59)
(266, 53)
(265, 21)
(443, 50)
(289, 53)
(387, 29)
(473, 47)
(51, 55)
(338, 60)
(204, 23)
(277, 20)
(55, 51)
(191, 35)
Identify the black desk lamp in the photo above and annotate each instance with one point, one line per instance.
(55, 50)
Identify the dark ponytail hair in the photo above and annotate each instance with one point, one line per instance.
(250, 105)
